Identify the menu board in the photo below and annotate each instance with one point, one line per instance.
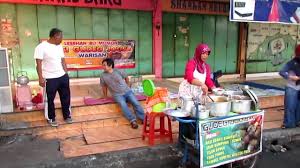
(232, 138)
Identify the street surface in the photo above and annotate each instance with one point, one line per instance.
(288, 159)
(26, 151)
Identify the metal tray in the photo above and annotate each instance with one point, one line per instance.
(176, 113)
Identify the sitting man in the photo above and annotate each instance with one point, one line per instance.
(117, 83)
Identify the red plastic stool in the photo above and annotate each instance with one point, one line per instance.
(150, 133)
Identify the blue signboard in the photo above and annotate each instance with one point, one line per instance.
(271, 11)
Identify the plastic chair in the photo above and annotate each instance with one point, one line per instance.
(150, 131)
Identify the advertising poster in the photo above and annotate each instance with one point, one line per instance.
(88, 54)
(270, 46)
(230, 139)
(272, 11)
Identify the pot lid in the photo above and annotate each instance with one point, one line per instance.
(148, 87)
(253, 96)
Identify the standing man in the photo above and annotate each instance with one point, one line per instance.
(291, 72)
(117, 83)
(52, 71)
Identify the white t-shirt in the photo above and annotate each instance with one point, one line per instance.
(51, 55)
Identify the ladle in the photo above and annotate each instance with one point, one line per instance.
(210, 98)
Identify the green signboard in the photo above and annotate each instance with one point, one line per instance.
(232, 138)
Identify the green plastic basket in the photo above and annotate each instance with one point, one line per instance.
(159, 107)
(148, 87)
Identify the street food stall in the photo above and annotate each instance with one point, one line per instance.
(223, 127)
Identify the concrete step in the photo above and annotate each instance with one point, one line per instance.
(80, 122)
(38, 115)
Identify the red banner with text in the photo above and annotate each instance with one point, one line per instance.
(117, 4)
(88, 54)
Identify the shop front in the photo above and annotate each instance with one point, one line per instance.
(25, 23)
(187, 24)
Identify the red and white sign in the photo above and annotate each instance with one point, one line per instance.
(116, 4)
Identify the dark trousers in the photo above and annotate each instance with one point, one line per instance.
(62, 85)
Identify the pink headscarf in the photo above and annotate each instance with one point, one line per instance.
(200, 49)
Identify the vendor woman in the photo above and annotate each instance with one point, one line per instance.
(197, 74)
(197, 82)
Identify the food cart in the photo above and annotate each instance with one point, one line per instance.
(230, 134)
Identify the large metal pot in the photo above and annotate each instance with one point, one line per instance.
(220, 106)
(187, 104)
(22, 78)
(241, 106)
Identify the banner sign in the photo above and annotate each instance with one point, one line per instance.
(270, 46)
(230, 139)
(117, 4)
(271, 11)
(88, 54)
(217, 7)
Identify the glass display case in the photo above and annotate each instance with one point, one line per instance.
(6, 102)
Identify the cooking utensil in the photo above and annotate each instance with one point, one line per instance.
(177, 113)
(220, 107)
(233, 92)
(187, 103)
(241, 106)
(200, 108)
(22, 78)
(218, 91)
(210, 98)
(204, 114)
(253, 97)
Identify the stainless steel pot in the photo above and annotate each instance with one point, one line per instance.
(187, 104)
(220, 107)
(241, 106)
(22, 78)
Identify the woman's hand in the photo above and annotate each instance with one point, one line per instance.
(204, 88)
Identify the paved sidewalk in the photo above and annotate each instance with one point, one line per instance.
(32, 152)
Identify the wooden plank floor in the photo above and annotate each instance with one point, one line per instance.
(77, 147)
(88, 140)
(109, 134)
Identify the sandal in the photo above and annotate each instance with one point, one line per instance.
(283, 127)
(134, 125)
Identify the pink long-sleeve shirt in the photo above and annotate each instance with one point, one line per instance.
(189, 70)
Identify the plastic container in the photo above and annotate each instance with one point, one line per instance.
(148, 87)
(159, 107)
(203, 114)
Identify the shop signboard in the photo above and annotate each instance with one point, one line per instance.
(215, 7)
(116, 4)
(88, 54)
(228, 139)
(269, 11)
